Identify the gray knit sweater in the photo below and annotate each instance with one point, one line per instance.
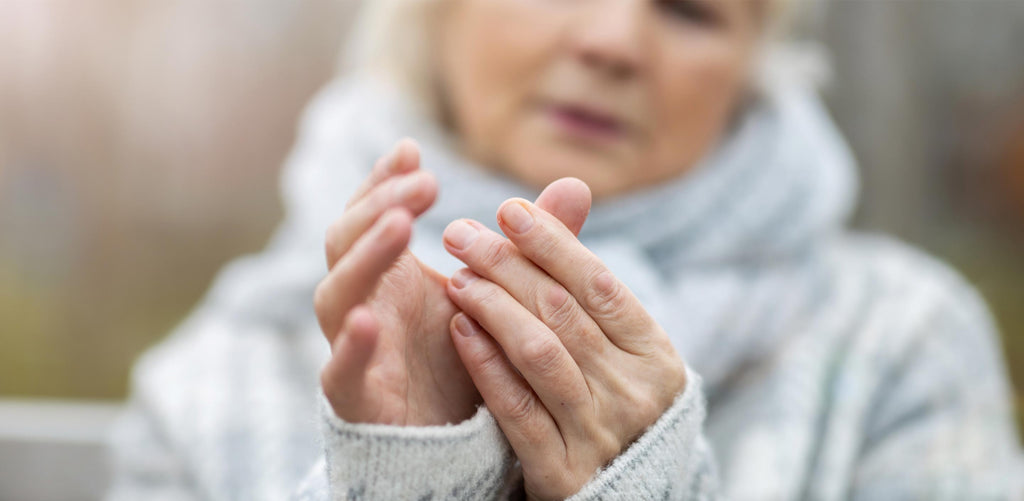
(823, 364)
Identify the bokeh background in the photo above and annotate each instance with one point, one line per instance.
(141, 141)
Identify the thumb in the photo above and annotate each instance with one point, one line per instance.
(568, 199)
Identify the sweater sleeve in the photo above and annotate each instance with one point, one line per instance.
(468, 461)
(671, 460)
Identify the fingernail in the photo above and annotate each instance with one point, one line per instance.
(462, 278)
(406, 187)
(516, 217)
(460, 234)
(464, 326)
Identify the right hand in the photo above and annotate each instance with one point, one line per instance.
(385, 313)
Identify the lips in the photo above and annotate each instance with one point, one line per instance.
(586, 121)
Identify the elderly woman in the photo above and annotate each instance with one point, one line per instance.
(709, 330)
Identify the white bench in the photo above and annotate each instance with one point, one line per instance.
(54, 450)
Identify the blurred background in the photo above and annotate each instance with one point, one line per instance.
(140, 144)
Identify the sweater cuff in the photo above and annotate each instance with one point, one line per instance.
(671, 460)
(470, 460)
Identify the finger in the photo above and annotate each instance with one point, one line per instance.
(354, 277)
(530, 346)
(344, 377)
(415, 191)
(403, 158)
(493, 257)
(551, 246)
(568, 199)
(529, 427)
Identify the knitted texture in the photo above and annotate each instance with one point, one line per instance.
(832, 365)
(390, 462)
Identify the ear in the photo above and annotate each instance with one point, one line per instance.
(569, 200)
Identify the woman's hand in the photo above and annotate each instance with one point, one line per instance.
(565, 356)
(385, 313)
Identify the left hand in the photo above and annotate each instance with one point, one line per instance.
(567, 359)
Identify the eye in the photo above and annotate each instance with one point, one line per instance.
(697, 12)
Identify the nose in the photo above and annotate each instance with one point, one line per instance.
(608, 37)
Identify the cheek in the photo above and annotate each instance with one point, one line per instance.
(696, 97)
(490, 67)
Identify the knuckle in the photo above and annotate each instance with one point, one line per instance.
(606, 443)
(543, 355)
(520, 407)
(646, 410)
(489, 360)
(544, 246)
(495, 253)
(556, 308)
(605, 297)
(484, 293)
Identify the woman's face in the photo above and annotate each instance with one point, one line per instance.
(619, 93)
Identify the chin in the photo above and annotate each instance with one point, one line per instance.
(539, 165)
